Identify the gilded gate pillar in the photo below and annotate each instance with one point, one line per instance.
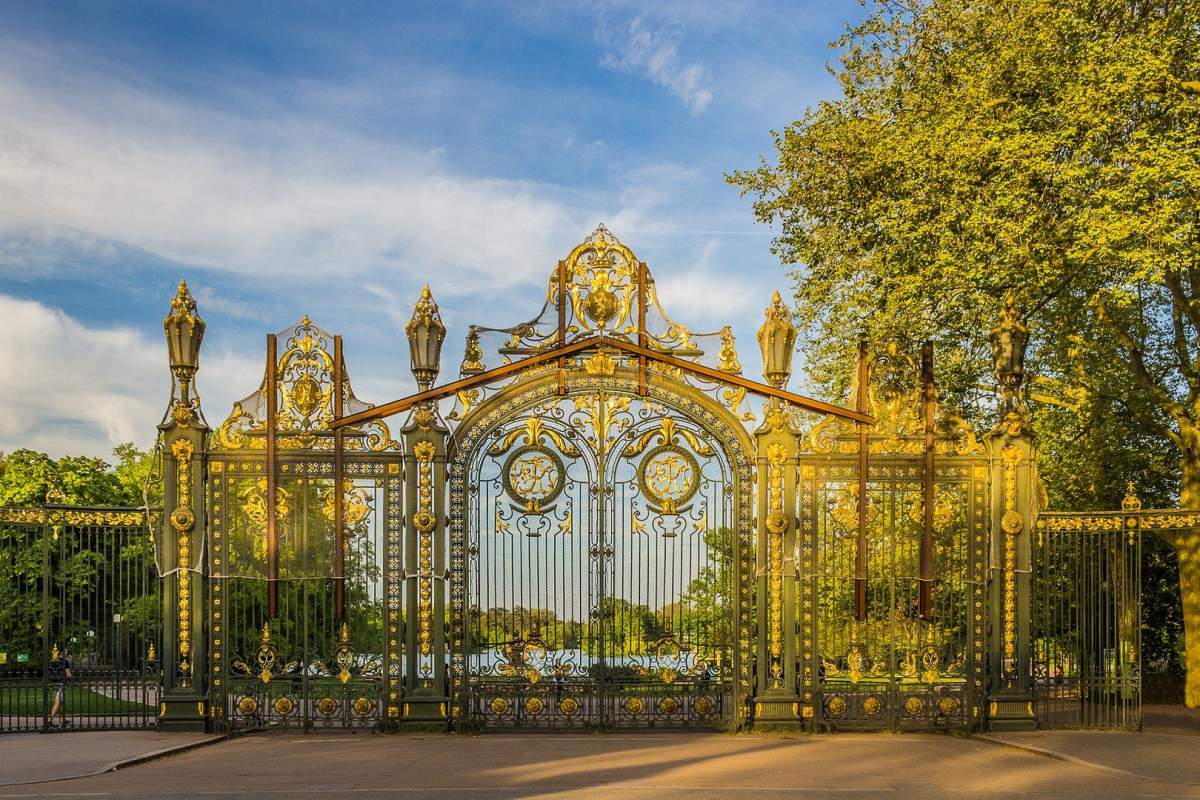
(425, 440)
(1013, 512)
(776, 697)
(180, 543)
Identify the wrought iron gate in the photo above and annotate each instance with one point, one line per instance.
(1087, 616)
(602, 566)
(304, 608)
(876, 654)
(78, 586)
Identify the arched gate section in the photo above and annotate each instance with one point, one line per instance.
(601, 557)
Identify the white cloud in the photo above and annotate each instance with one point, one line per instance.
(273, 195)
(71, 388)
(654, 53)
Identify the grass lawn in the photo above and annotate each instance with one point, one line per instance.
(28, 701)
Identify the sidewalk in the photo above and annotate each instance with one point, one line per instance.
(37, 757)
(1159, 756)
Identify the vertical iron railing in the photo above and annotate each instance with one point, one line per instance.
(79, 587)
(1086, 626)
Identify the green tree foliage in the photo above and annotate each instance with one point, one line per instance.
(1050, 147)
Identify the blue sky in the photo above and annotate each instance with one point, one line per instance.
(330, 158)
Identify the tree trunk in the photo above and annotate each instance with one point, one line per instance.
(1187, 546)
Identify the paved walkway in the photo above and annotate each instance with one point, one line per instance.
(626, 766)
(1169, 757)
(36, 757)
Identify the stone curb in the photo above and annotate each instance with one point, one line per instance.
(125, 762)
(1041, 751)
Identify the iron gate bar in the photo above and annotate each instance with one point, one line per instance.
(437, 393)
(925, 601)
(860, 557)
(339, 499)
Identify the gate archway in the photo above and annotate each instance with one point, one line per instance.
(601, 556)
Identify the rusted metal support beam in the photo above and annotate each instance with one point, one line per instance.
(643, 339)
(926, 582)
(562, 326)
(439, 392)
(272, 533)
(860, 546)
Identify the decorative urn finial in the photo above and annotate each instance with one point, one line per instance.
(777, 339)
(1008, 339)
(425, 334)
(185, 332)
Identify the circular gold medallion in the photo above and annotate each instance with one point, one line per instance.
(871, 706)
(327, 705)
(534, 706)
(533, 476)
(703, 706)
(568, 705)
(498, 705)
(948, 705)
(284, 705)
(363, 706)
(913, 706)
(669, 477)
(668, 705)
(247, 705)
(635, 706)
(836, 706)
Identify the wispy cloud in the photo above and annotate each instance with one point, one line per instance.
(75, 388)
(255, 195)
(652, 51)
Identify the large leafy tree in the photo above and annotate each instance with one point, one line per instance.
(1048, 147)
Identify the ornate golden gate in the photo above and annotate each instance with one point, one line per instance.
(610, 528)
(892, 612)
(300, 587)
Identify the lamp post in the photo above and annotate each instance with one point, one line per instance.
(185, 673)
(425, 697)
(776, 700)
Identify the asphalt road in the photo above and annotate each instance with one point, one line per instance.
(629, 767)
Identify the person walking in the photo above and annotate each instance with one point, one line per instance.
(60, 673)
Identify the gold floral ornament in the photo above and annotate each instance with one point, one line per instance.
(603, 275)
(304, 376)
(728, 355)
(254, 507)
(356, 503)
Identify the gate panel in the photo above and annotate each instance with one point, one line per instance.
(1086, 626)
(306, 667)
(887, 666)
(669, 571)
(535, 545)
(602, 581)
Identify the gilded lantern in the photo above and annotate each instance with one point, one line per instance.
(425, 334)
(185, 332)
(777, 338)
(1008, 340)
